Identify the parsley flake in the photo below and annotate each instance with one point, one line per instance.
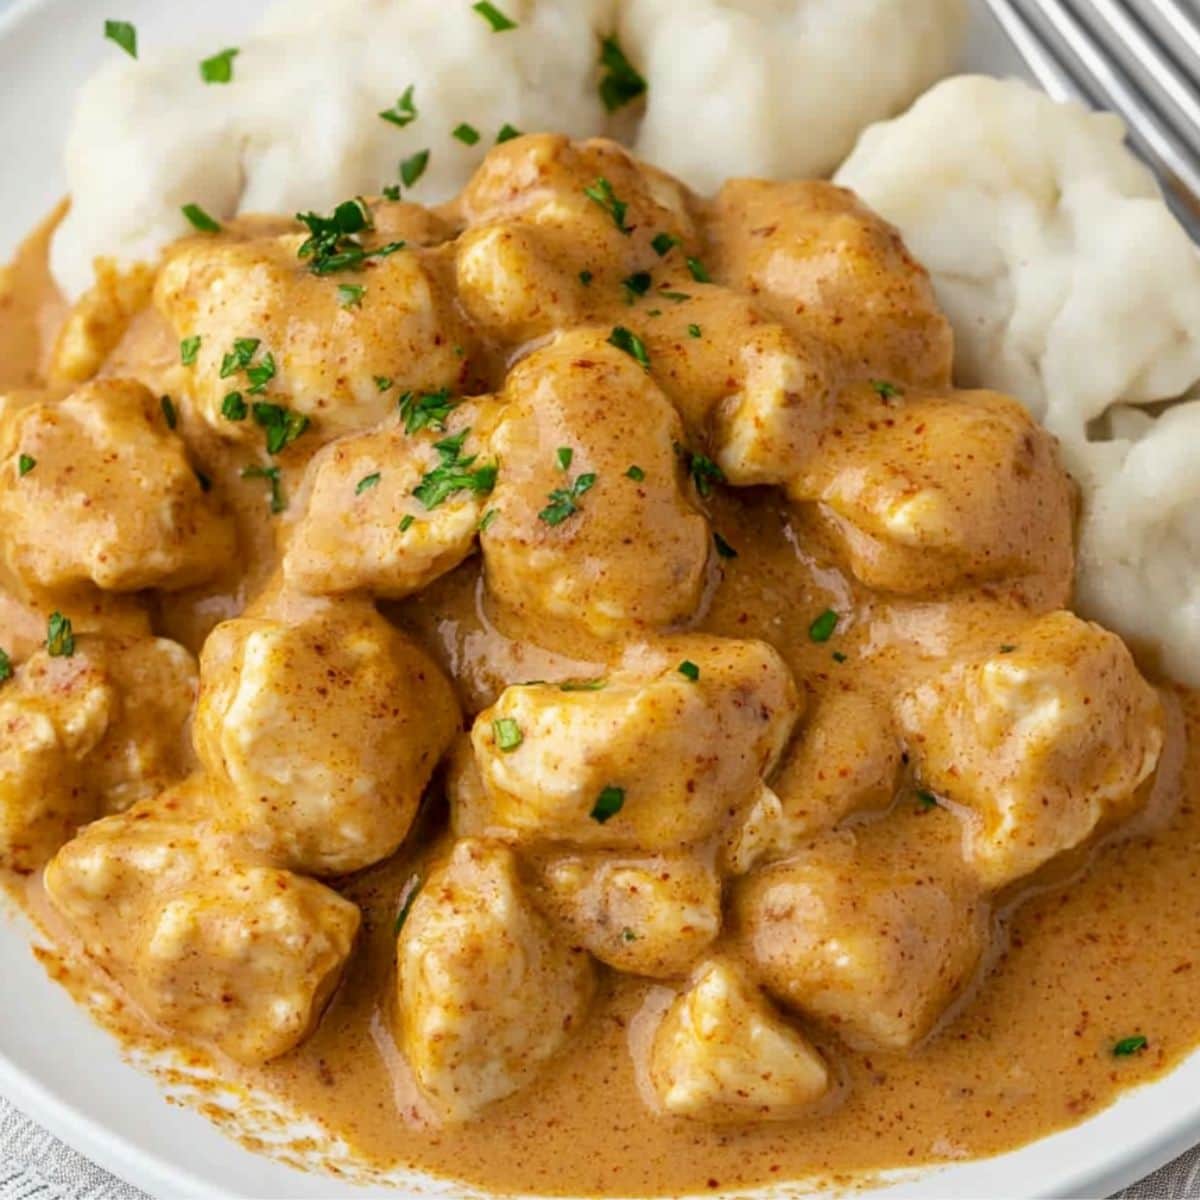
(610, 802)
(411, 888)
(1007, 649)
(636, 474)
(350, 295)
(467, 134)
(168, 411)
(678, 297)
(699, 271)
(124, 34)
(383, 382)
(821, 630)
(633, 345)
(627, 935)
(60, 638)
(404, 111)
(601, 193)
(406, 522)
(454, 474)
(1128, 1046)
(507, 733)
(663, 243)
(689, 670)
(583, 685)
(413, 167)
(494, 17)
(564, 502)
(885, 390)
(563, 455)
(233, 407)
(621, 83)
(586, 277)
(507, 133)
(200, 220)
(6, 667)
(367, 482)
(635, 285)
(281, 425)
(724, 549)
(838, 657)
(238, 359)
(426, 410)
(926, 800)
(391, 191)
(333, 243)
(694, 331)
(488, 518)
(25, 464)
(703, 471)
(219, 68)
(188, 349)
(271, 474)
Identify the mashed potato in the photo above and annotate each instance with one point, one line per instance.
(1070, 285)
(775, 88)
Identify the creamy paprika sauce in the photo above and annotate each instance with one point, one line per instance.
(562, 692)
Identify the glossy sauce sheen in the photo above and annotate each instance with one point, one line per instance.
(1027, 1050)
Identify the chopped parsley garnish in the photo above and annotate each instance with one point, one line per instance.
(724, 549)
(821, 630)
(564, 502)
(488, 517)
(199, 219)
(699, 271)
(411, 889)
(333, 243)
(25, 464)
(467, 134)
(563, 456)
(260, 374)
(627, 935)
(601, 193)
(6, 667)
(678, 297)
(621, 83)
(404, 111)
(1007, 649)
(271, 474)
(233, 407)
(635, 285)
(426, 410)
(1130, 1045)
(219, 68)
(60, 638)
(383, 382)
(636, 474)
(586, 277)
(204, 481)
(494, 17)
(188, 349)
(885, 390)
(838, 657)
(282, 425)
(391, 191)
(704, 472)
(507, 733)
(168, 411)
(124, 34)
(689, 670)
(633, 345)
(406, 522)
(694, 331)
(367, 482)
(663, 243)
(583, 685)
(926, 800)
(454, 474)
(610, 802)
(238, 359)
(350, 295)
(413, 167)
(507, 133)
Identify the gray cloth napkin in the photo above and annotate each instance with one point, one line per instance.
(34, 1165)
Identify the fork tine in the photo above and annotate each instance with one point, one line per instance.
(1049, 72)
(1182, 23)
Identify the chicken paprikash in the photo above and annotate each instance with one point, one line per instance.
(564, 689)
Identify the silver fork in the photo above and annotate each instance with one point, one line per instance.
(1140, 58)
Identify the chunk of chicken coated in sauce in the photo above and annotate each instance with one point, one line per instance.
(541, 210)
(654, 757)
(486, 993)
(646, 916)
(234, 953)
(321, 732)
(822, 263)
(95, 487)
(926, 492)
(593, 525)
(1041, 738)
(86, 734)
(273, 331)
(384, 512)
(723, 1055)
(873, 936)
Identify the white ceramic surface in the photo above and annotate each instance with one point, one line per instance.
(65, 1072)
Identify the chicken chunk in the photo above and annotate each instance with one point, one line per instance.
(923, 492)
(99, 319)
(647, 916)
(722, 1055)
(875, 937)
(273, 331)
(661, 754)
(236, 954)
(846, 759)
(322, 733)
(384, 513)
(1040, 738)
(825, 265)
(96, 487)
(593, 527)
(85, 734)
(486, 993)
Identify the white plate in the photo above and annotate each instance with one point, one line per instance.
(66, 1073)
